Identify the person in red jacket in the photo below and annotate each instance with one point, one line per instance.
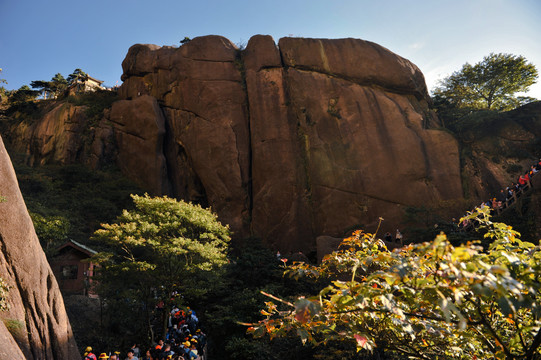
(89, 355)
(522, 181)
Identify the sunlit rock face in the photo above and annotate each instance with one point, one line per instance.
(292, 141)
(287, 141)
(36, 325)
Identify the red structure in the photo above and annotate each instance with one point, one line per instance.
(73, 275)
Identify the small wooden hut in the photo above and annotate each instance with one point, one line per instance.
(74, 276)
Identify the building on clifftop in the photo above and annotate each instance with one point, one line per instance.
(84, 84)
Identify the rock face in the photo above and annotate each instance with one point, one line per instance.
(501, 150)
(289, 142)
(286, 143)
(64, 135)
(36, 325)
(55, 138)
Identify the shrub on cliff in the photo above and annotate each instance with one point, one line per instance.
(429, 300)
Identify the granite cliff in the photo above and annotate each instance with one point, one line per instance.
(36, 325)
(286, 142)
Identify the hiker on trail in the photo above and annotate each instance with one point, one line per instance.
(131, 356)
(398, 237)
(159, 346)
(188, 354)
(147, 356)
(501, 196)
(136, 351)
(103, 356)
(89, 355)
(166, 352)
(522, 181)
(388, 237)
(192, 321)
(193, 348)
(510, 194)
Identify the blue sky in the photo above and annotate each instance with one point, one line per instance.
(42, 37)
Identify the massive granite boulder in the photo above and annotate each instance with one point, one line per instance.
(287, 142)
(36, 325)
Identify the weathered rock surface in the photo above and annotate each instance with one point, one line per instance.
(36, 325)
(57, 137)
(294, 141)
(286, 143)
(501, 150)
(139, 133)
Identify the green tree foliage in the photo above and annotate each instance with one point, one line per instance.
(52, 231)
(23, 94)
(490, 84)
(254, 269)
(2, 89)
(76, 75)
(41, 85)
(58, 84)
(427, 301)
(161, 247)
(84, 197)
(55, 87)
(94, 102)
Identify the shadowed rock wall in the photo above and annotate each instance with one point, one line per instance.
(36, 325)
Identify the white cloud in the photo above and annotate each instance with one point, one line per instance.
(416, 46)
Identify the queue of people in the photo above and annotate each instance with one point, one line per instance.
(506, 197)
(183, 341)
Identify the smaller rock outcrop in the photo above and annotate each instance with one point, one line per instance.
(500, 147)
(56, 137)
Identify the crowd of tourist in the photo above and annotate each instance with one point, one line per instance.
(506, 197)
(183, 341)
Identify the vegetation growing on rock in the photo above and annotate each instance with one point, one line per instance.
(426, 301)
